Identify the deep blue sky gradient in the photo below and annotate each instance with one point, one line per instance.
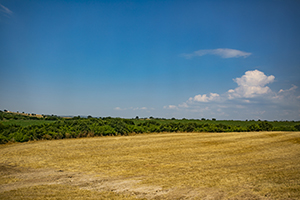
(124, 58)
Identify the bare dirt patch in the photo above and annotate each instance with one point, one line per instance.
(27, 178)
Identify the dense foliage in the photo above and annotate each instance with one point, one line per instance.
(76, 127)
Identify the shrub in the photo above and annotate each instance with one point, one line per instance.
(3, 139)
(254, 127)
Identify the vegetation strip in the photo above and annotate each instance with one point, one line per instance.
(22, 128)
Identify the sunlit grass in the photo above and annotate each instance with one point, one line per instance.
(231, 165)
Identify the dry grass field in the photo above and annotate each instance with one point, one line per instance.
(255, 165)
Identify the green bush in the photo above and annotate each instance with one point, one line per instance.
(254, 127)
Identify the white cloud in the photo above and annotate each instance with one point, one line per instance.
(224, 53)
(205, 98)
(137, 108)
(170, 107)
(183, 105)
(132, 108)
(284, 95)
(294, 87)
(5, 11)
(252, 98)
(250, 85)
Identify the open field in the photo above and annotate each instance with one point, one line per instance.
(248, 165)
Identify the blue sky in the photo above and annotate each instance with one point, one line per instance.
(182, 59)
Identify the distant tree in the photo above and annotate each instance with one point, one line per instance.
(203, 119)
(151, 117)
(297, 127)
(265, 126)
(137, 117)
(213, 119)
(78, 117)
(89, 117)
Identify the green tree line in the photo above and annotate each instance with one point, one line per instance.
(77, 127)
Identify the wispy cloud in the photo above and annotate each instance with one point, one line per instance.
(170, 107)
(294, 87)
(223, 53)
(5, 11)
(133, 108)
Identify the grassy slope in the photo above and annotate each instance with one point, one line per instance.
(222, 165)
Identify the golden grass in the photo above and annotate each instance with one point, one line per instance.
(192, 165)
(59, 192)
(6, 180)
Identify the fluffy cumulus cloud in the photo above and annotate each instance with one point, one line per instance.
(223, 53)
(252, 84)
(252, 98)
